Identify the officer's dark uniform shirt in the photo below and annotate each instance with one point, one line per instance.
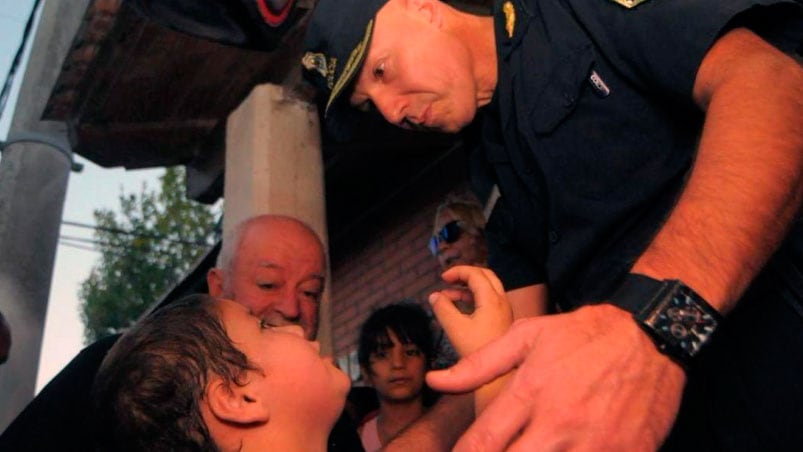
(593, 128)
(591, 135)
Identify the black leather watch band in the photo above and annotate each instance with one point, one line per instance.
(631, 295)
(677, 319)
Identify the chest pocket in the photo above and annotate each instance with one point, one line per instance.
(588, 145)
(554, 59)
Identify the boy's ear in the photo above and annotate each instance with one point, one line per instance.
(237, 404)
(214, 279)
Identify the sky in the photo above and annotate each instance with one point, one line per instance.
(91, 189)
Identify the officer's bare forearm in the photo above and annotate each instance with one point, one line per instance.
(745, 187)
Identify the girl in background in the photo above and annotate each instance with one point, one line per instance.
(395, 352)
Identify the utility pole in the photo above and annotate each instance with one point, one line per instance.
(34, 171)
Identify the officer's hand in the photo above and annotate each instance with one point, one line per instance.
(586, 380)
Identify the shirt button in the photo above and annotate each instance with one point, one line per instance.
(553, 236)
(568, 100)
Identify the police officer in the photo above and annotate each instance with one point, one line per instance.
(649, 159)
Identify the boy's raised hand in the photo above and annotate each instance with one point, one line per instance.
(492, 315)
(491, 318)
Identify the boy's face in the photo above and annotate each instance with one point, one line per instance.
(397, 372)
(295, 378)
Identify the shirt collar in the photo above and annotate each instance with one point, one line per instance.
(511, 18)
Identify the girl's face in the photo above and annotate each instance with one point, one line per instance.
(397, 372)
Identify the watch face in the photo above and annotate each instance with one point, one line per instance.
(681, 322)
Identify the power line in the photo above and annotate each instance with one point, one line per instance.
(81, 239)
(80, 247)
(96, 242)
(134, 234)
(93, 241)
(113, 249)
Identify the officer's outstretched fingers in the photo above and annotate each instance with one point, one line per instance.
(486, 364)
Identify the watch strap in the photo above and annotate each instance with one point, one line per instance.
(638, 293)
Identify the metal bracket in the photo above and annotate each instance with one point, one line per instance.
(59, 145)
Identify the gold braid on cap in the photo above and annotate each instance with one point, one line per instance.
(351, 65)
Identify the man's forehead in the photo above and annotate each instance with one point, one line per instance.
(447, 215)
(279, 236)
(269, 264)
(280, 229)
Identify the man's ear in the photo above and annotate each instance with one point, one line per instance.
(430, 10)
(215, 279)
(235, 403)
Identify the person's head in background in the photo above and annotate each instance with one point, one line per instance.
(206, 374)
(395, 351)
(396, 348)
(275, 266)
(458, 233)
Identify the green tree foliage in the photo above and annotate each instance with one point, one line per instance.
(168, 233)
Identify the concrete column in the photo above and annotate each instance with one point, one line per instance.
(274, 165)
(33, 183)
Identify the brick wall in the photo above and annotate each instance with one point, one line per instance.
(385, 259)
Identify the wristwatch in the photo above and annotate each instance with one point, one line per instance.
(676, 318)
